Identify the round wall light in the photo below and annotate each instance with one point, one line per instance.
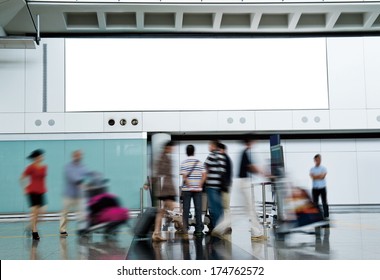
(111, 122)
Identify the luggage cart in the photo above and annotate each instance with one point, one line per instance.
(172, 217)
(265, 204)
(102, 212)
(296, 211)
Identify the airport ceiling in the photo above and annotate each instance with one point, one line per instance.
(118, 18)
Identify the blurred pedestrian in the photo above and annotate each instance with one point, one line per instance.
(75, 173)
(224, 225)
(167, 194)
(226, 189)
(193, 175)
(248, 166)
(215, 167)
(35, 189)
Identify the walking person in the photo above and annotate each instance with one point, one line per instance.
(226, 189)
(215, 167)
(75, 173)
(224, 225)
(194, 175)
(167, 194)
(248, 166)
(318, 175)
(35, 189)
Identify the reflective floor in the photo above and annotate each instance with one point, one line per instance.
(353, 235)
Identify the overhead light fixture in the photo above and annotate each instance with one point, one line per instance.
(10, 42)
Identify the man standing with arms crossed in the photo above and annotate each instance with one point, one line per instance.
(318, 174)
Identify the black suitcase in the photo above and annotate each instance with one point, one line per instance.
(145, 222)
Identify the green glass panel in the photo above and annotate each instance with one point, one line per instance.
(125, 166)
(12, 161)
(122, 161)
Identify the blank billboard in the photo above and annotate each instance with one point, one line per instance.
(192, 74)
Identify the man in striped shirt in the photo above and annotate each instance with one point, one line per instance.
(215, 166)
(194, 175)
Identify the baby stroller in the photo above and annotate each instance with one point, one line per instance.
(103, 211)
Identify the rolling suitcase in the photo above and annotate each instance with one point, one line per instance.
(145, 222)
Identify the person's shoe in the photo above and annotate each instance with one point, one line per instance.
(35, 236)
(156, 237)
(259, 238)
(63, 234)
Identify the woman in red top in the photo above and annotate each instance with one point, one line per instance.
(35, 189)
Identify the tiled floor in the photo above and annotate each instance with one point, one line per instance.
(352, 235)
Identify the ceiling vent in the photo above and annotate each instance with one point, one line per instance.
(82, 20)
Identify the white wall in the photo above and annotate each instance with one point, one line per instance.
(352, 165)
(354, 102)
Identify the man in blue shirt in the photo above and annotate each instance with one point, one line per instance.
(75, 173)
(318, 175)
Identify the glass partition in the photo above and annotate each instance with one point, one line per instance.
(122, 161)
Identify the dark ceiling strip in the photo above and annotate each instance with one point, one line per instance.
(147, 34)
(266, 136)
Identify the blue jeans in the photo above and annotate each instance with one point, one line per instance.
(197, 199)
(214, 198)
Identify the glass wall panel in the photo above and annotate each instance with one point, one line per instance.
(122, 161)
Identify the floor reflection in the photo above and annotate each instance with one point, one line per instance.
(176, 248)
(106, 249)
(322, 240)
(351, 236)
(34, 250)
(298, 247)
